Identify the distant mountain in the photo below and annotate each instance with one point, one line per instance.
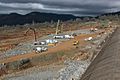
(114, 16)
(38, 17)
(113, 13)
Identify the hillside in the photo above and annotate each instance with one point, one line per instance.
(14, 18)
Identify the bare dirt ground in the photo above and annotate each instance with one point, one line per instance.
(64, 46)
(61, 52)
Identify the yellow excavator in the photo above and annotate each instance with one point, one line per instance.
(75, 42)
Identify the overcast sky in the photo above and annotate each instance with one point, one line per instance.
(76, 7)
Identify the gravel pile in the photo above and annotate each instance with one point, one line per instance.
(47, 75)
(35, 73)
(73, 70)
(20, 49)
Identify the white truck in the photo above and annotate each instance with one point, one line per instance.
(40, 43)
(51, 41)
(63, 37)
(40, 49)
(68, 36)
(58, 37)
(89, 39)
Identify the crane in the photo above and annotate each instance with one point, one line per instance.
(57, 27)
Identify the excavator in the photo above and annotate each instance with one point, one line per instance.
(38, 48)
(75, 42)
(34, 32)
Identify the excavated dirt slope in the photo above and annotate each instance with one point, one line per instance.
(106, 66)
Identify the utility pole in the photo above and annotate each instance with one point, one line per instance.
(62, 28)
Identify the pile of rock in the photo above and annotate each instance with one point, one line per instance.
(73, 70)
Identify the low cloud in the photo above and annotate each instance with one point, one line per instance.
(76, 7)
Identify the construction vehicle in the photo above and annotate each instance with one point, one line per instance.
(75, 42)
(74, 34)
(89, 39)
(93, 29)
(52, 44)
(37, 44)
(58, 37)
(57, 27)
(68, 36)
(63, 37)
(51, 41)
(43, 43)
(40, 49)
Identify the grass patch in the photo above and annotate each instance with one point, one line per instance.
(61, 53)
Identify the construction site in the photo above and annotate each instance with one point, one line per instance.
(60, 51)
